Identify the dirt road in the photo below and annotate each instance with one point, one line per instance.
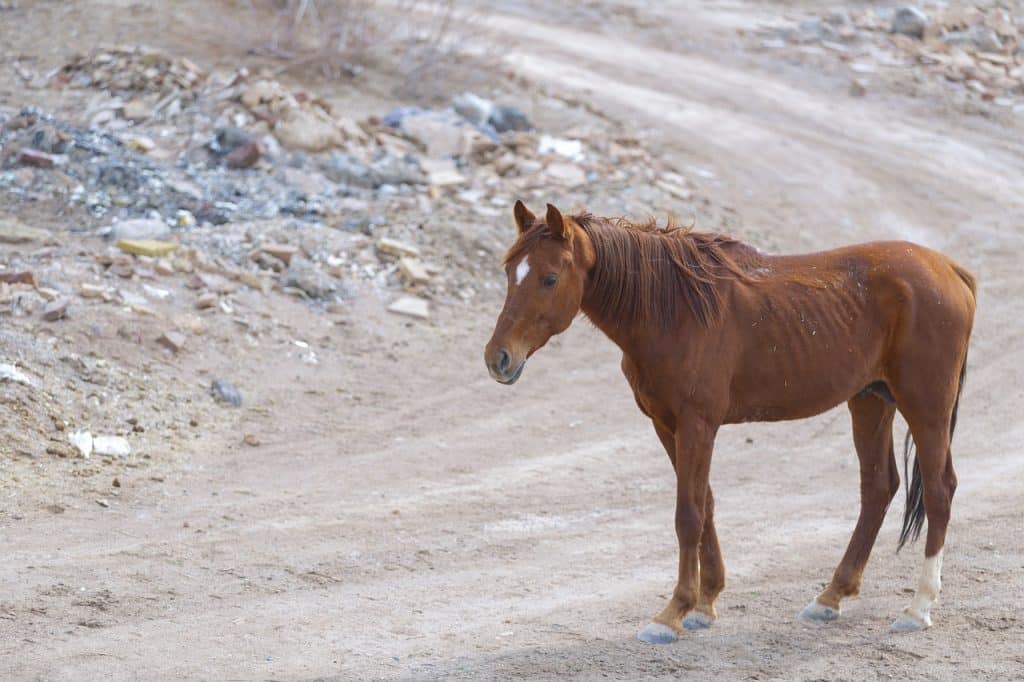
(450, 527)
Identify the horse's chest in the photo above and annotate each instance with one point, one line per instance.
(654, 394)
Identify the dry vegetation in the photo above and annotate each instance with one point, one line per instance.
(426, 47)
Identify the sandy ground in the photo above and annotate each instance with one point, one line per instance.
(443, 526)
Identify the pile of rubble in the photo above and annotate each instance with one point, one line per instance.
(976, 51)
(260, 183)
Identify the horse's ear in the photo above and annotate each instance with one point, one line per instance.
(524, 217)
(556, 224)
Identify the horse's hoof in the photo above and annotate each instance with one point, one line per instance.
(819, 613)
(657, 633)
(697, 620)
(908, 622)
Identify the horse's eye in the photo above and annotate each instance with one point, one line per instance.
(550, 280)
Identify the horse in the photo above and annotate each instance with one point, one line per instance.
(713, 332)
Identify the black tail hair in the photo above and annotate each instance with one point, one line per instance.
(913, 511)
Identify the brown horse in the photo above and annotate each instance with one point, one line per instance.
(714, 332)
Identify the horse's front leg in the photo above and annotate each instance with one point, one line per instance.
(694, 440)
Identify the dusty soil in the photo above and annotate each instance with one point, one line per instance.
(406, 517)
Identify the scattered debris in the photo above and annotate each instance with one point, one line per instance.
(245, 156)
(146, 247)
(111, 446)
(172, 340)
(909, 21)
(413, 271)
(140, 229)
(55, 310)
(18, 278)
(411, 306)
(304, 276)
(83, 441)
(397, 248)
(226, 393)
(282, 252)
(970, 54)
(12, 373)
(570, 149)
(567, 174)
(15, 232)
(34, 157)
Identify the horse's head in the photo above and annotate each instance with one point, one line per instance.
(547, 269)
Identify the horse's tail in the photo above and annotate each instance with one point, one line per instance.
(913, 511)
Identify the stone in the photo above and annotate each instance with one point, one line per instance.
(82, 440)
(570, 149)
(441, 172)
(347, 169)
(439, 137)
(567, 174)
(55, 310)
(410, 306)
(909, 21)
(146, 247)
(139, 143)
(164, 267)
(309, 129)
(172, 340)
(504, 119)
(245, 156)
(413, 271)
(858, 87)
(304, 275)
(18, 278)
(306, 183)
(86, 290)
(811, 30)
(11, 373)
(207, 299)
(15, 232)
(251, 440)
(282, 252)
(111, 446)
(473, 108)
(394, 247)
(674, 185)
(141, 228)
(184, 218)
(137, 110)
(229, 138)
(226, 393)
(984, 38)
(34, 157)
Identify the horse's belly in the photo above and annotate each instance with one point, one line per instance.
(796, 390)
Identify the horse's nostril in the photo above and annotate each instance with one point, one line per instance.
(504, 360)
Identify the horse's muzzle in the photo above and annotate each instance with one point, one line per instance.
(501, 368)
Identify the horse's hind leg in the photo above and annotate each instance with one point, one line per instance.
(938, 481)
(879, 480)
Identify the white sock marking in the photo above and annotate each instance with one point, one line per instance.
(928, 587)
(522, 270)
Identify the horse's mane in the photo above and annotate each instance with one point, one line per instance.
(646, 272)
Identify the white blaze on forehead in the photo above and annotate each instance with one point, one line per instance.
(522, 270)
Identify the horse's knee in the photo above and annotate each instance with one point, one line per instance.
(689, 524)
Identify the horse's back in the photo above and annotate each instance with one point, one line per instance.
(899, 277)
